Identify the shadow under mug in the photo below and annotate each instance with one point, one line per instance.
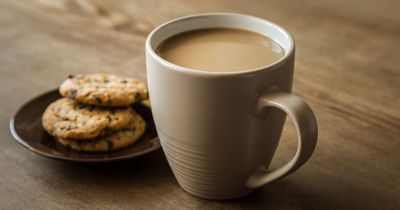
(219, 130)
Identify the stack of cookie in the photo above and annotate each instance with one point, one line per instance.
(96, 113)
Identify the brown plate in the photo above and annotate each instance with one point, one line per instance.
(26, 128)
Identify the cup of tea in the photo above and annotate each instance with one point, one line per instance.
(220, 89)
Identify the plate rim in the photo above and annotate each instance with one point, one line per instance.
(27, 146)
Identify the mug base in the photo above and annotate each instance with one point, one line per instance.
(216, 197)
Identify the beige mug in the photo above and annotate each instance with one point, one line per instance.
(219, 130)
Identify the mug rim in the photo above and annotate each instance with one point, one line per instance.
(197, 72)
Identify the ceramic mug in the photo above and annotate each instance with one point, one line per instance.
(219, 130)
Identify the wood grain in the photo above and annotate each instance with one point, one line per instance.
(347, 68)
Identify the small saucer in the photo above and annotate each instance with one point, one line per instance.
(26, 128)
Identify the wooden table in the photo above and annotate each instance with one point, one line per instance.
(348, 69)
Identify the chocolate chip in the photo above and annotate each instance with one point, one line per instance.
(109, 118)
(98, 99)
(72, 93)
(128, 129)
(124, 81)
(105, 132)
(64, 119)
(71, 76)
(80, 106)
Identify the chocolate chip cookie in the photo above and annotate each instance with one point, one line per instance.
(66, 118)
(104, 89)
(116, 140)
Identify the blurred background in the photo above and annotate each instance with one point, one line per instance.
(347, 68)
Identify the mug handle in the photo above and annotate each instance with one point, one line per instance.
(307, 131)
